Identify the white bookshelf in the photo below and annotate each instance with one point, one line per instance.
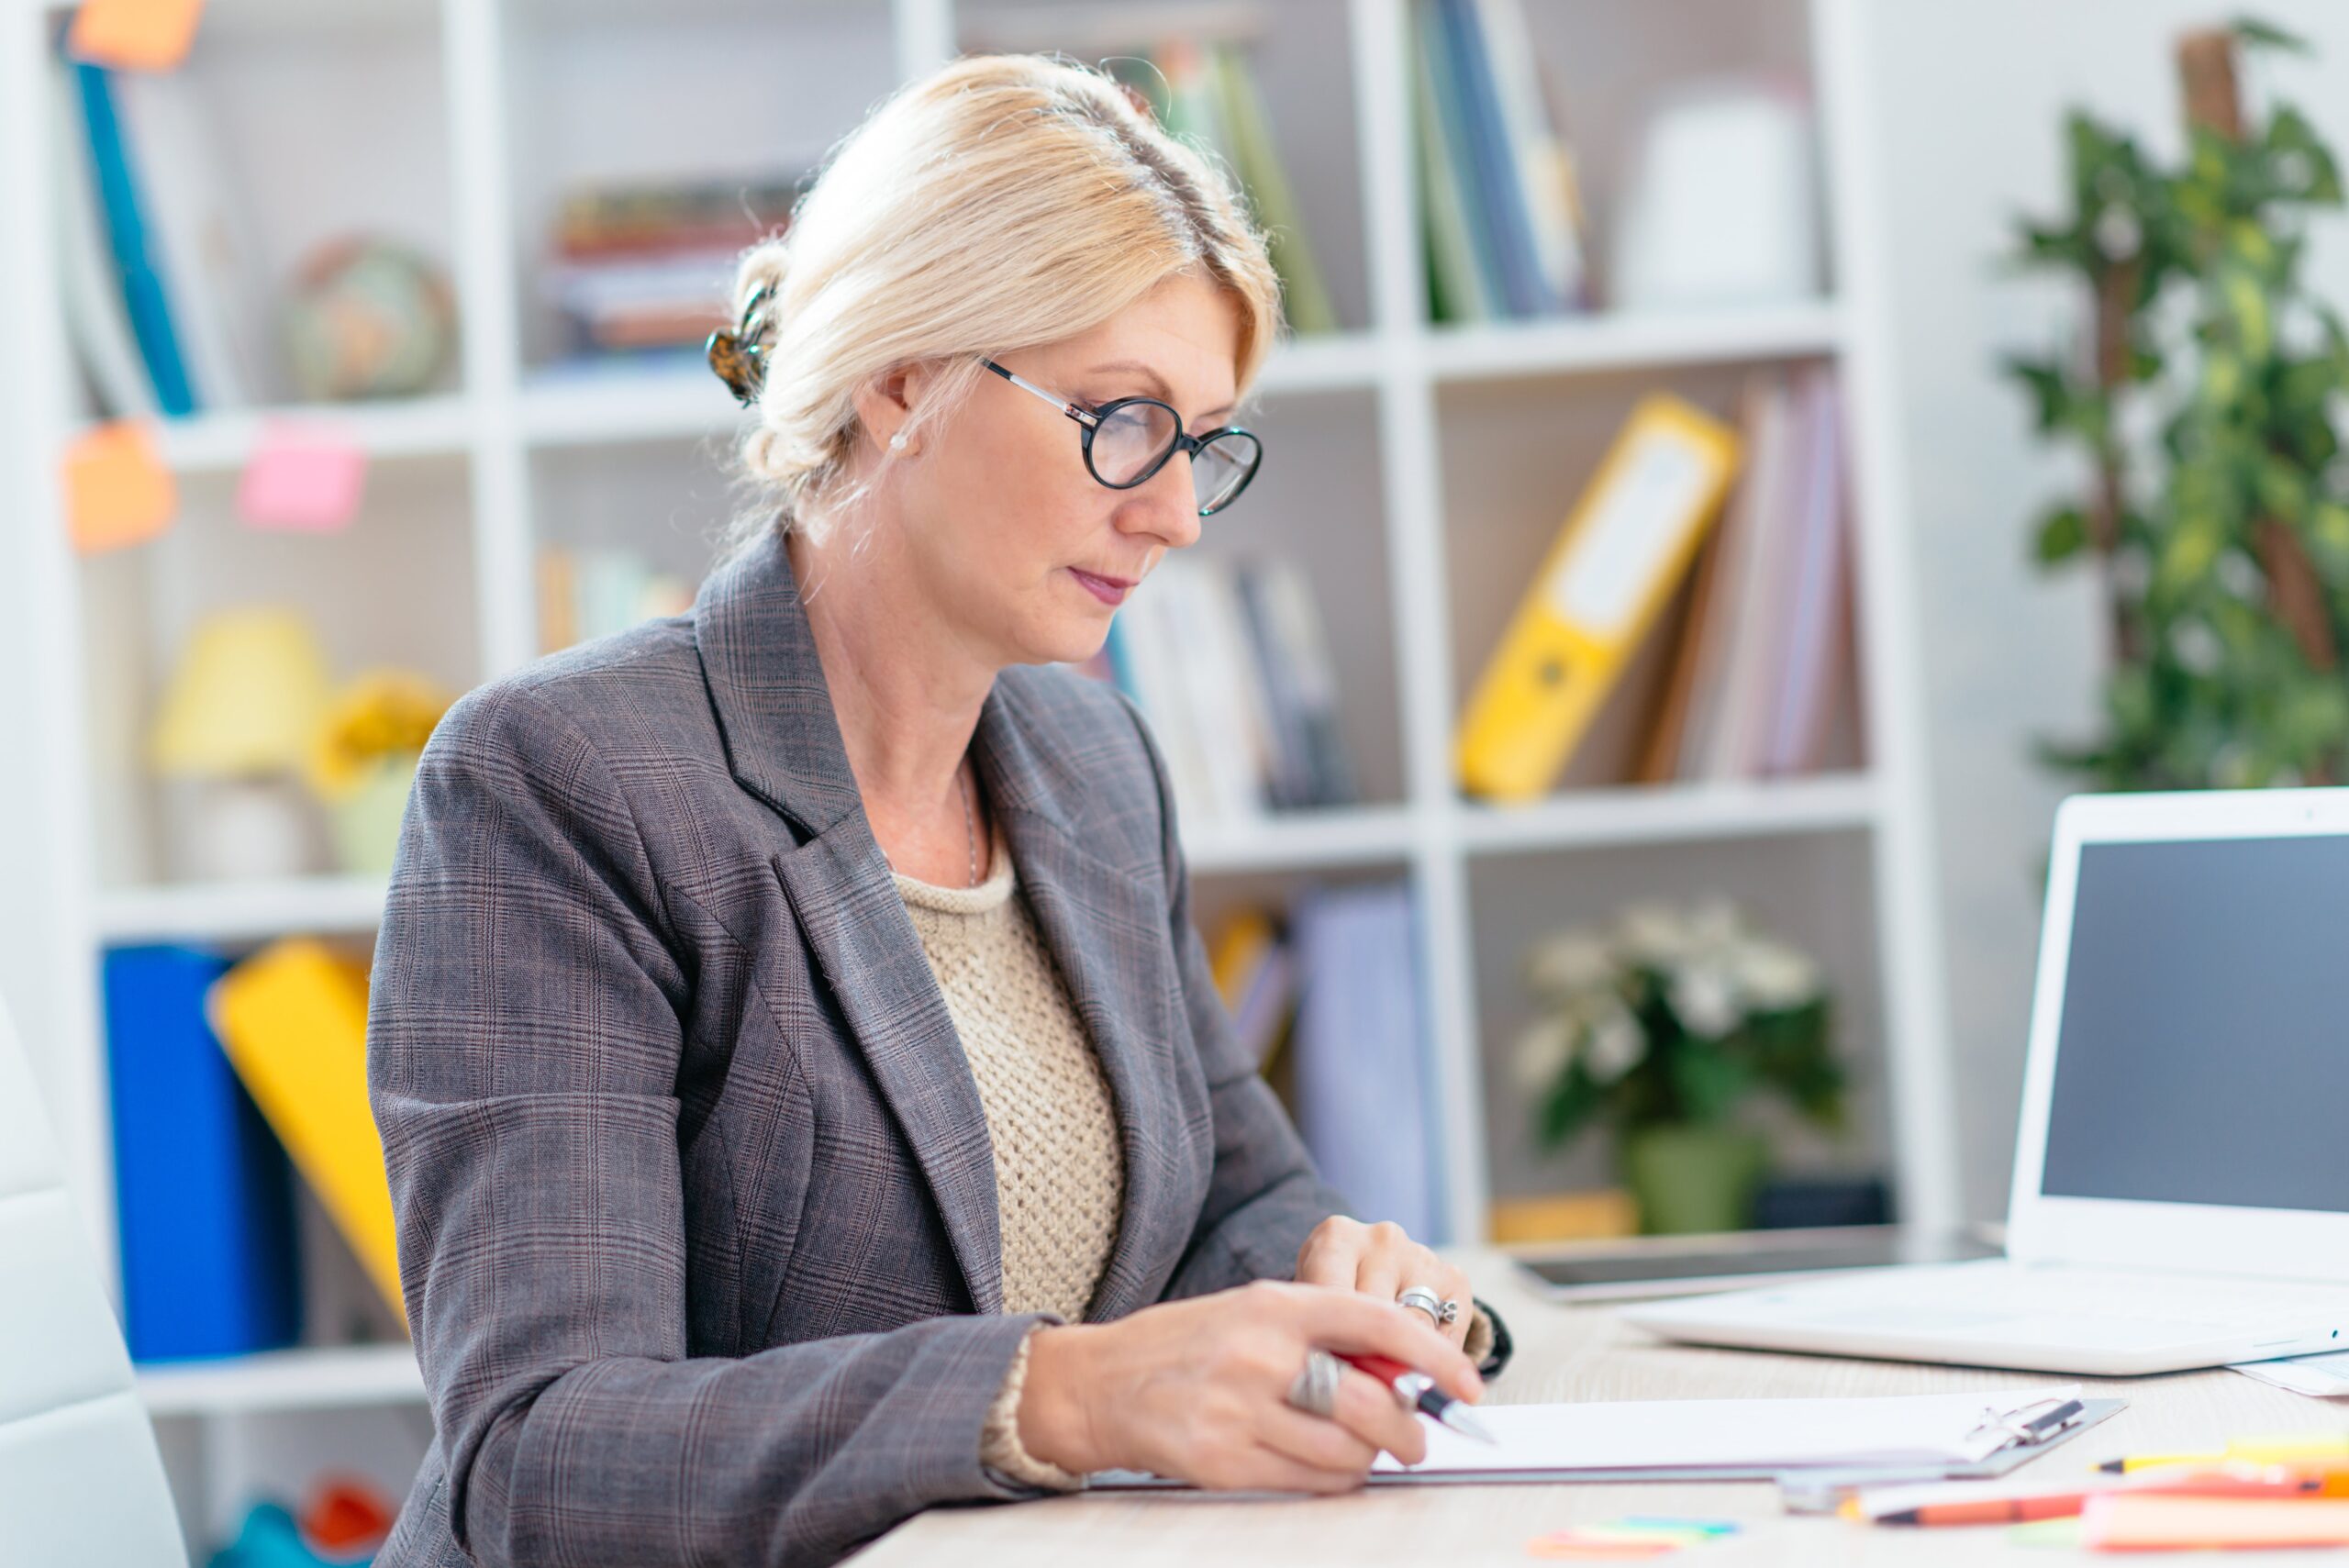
(1416, 471)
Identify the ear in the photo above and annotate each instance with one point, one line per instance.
(886, 401)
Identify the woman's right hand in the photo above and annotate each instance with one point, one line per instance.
(1197, 1389)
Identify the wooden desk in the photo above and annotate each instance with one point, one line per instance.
(1585, 1354)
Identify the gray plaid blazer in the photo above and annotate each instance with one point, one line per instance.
(696, 1202)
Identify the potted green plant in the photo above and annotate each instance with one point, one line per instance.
(1663, 1024)
(2208, 391)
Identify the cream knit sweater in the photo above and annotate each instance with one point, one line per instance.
(1059, 1167)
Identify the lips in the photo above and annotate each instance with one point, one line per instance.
(1111, 591)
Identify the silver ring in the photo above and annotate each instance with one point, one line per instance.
(1419, 1298)
(1315, 1391)
(1448, 1314)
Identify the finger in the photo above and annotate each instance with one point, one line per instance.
(1332, 1255)
(1344, 1321)
(1268, 1469)
(1386, 1261)
(1318, 1442)
(1368, 1419)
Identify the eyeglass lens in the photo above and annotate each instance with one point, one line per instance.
(1132, 438)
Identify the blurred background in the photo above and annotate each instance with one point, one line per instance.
(1736, 465)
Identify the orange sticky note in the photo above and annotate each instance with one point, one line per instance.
(134, 35)
(301, 477)
(118, 492)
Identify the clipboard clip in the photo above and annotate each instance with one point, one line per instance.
(2027, 1425)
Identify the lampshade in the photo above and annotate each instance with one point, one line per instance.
(246, 698)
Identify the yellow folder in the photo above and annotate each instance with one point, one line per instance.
(1624, 550)
(293, 1018)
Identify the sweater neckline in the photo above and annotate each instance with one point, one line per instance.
(988, 894)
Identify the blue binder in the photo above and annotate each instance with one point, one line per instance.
(202, 1191)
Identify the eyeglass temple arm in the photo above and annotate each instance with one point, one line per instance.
(1081, 415)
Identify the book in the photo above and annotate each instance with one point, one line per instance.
(1546, 188)
(1624, 550)
(1457, 290)
(203, 1194)
(1363, 1101)
(136, 271)
(1493, 158)
(1815, 613)
(95, 317)
(1305, 293)
(201, 239)
(1730, 713)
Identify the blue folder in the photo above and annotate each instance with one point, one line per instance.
(203, 1190)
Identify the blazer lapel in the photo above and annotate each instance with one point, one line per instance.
(784, 745)
(1105, 928)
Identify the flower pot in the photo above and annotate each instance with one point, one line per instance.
(1689, 1179)
(367, 820)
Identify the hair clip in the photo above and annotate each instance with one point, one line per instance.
(738, 357)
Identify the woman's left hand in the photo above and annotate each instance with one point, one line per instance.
(1382, 1260)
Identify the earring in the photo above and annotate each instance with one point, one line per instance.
(897, 442)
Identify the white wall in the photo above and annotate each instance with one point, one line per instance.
(1967, 103)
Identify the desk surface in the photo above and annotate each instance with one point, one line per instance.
(1585, 1354)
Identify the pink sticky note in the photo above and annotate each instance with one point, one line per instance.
(301, 478)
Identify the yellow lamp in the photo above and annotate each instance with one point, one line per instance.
(238, 716)
(246, 698)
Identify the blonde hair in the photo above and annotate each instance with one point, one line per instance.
(1003, 201)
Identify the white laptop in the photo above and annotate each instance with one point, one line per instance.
(2181, 1187)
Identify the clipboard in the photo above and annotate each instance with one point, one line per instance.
(2007, 1435)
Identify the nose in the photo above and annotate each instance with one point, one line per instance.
(1166, 507)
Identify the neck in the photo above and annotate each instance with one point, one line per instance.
(906, 691)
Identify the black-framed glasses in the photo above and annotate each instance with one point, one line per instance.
(1130, 439)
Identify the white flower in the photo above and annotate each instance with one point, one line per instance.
(1569, 962)
(2239, 575)
(1771, 975)
(2197, 646)
(1614, 1045)
(1653, 933)
(1543, 1051)
(1705, 1000)
(2118, 233)
(1713, 923)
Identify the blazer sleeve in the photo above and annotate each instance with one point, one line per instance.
(1266, 1197)
(524, 1036)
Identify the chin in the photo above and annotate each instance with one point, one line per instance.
(1064, 640)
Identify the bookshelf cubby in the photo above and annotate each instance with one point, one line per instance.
(1414, 470)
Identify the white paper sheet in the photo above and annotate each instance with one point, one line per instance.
(2320, 1377)
(1726, 1434)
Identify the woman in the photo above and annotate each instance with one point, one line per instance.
(803, 1096)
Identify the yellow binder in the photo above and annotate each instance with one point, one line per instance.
(293, 1018)
(1622, 551)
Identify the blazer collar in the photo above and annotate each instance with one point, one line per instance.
(782, 740)
(1101, 924)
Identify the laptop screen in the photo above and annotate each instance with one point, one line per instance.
(2204, 1048)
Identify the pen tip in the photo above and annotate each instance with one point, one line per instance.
(1466, 1425)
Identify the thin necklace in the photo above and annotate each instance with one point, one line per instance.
(970, 830)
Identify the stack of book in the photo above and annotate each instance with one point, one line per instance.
(1229, 663)
(1504, 223)
(1763, 654)
(1331, 1008)
(648, 269)
(587, 594)
(163, 291)
(1765, 647)
(1206, 95)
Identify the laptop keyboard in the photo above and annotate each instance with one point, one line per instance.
(2132, 1297)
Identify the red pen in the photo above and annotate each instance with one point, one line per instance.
(1418, 1390)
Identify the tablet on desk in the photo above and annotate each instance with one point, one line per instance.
(1651, 1268)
